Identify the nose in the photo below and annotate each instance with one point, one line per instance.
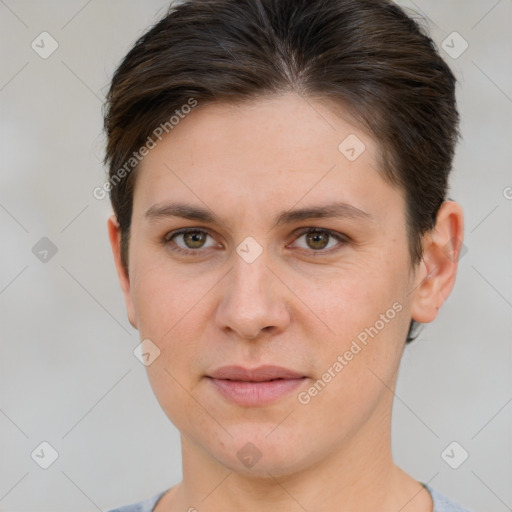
(253, 301)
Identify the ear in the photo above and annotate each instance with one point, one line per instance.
(114, 234)
(435, 277)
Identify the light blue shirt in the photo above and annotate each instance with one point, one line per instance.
(441, 503)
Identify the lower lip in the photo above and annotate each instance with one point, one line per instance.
(253, 394)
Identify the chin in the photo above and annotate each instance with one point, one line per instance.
(254, 451)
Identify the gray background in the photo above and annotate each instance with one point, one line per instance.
(68, 375)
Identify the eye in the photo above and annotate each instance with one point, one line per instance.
(191, 240)
(320, 239)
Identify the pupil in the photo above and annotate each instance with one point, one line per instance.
(195, 238)
(318, 240)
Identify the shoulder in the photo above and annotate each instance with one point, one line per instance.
(141, 506)
(442, 503)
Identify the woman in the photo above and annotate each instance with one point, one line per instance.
(278, 174)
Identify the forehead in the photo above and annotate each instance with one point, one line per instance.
(280, 150)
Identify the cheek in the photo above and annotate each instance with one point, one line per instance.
(171, 313)
(359, 364)
(164, 298)
(349, 299)
(169, 308)
(367, 315)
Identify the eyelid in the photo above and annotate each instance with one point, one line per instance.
(169, 236)
(341, 238)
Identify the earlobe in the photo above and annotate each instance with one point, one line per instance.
(436, 275)
(114, 234)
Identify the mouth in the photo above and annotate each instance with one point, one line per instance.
(255, 387)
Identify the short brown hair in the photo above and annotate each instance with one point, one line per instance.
(365, 55)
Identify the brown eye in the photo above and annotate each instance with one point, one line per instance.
(320, 240)
(189, 240)
(194, 239)
(317, 239)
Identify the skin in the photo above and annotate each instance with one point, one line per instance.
(298, 305)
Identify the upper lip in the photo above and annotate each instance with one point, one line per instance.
(259, 374)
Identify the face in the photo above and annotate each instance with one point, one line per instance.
(301, 262)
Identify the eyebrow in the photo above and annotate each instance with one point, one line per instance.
(200, 214)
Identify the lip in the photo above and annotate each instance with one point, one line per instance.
(253, 387)
(259, 374)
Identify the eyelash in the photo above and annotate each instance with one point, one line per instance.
(343, 239)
